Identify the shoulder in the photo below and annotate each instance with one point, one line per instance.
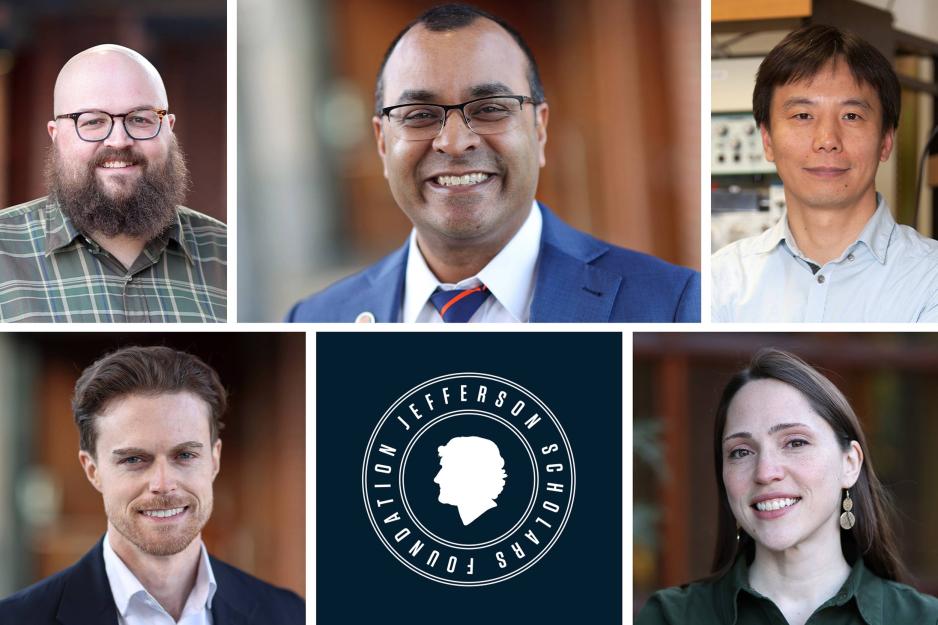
(914, 244)
(194, 219)
(684, 605)
(280, 604)
(908, 605)
(650, 287)
(37, 603)
(24, 210)
(353, 294)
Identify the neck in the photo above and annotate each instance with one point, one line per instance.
(801, 578)
(124, 248)
(169, 579)
(453, 260)
(823, 233)
(469, 512)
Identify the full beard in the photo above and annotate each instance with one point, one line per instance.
(160, 540)
(142, 210)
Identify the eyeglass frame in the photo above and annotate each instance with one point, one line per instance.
(74, 117)
(522, 99)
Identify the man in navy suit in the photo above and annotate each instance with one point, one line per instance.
(149, 422)
(461, 124)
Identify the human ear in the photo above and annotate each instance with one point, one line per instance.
(767, 143)
(380, 139)
(90, 466)
(852, 463)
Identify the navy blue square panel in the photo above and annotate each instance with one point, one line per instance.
(469, 477)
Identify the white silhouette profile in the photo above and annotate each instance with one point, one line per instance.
(471, 475)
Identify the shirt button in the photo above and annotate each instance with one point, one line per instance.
(849, 256)
(820, 279)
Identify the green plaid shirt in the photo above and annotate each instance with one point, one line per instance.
(51, 272)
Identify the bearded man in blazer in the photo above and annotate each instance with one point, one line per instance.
(149, 421)
(461, 124)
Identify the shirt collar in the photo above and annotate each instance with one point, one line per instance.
(125, 586)
(509, 276)
(875, 234)
(861, 584)
(60, 232)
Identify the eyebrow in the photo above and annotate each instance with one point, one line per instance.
(801, 101)
(482, 90)
(138, 451)
(778, 427)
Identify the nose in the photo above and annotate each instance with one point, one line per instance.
(456, 137)
(827, 135)
(769, 468)
(118, 137)
(162, 479)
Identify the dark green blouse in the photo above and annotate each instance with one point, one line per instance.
(864, 599)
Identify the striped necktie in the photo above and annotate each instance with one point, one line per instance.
(458, 305)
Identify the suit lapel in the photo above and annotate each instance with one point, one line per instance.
(384, 292)
(87, 597)
(568, 287)
(232, 604)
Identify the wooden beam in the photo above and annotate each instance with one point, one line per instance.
(735, 10)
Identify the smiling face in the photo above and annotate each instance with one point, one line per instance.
(115, 80)
(783, 467)
(461, 209)
(154, 466)
(826, 140)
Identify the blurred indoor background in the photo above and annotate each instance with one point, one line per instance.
(184, 39)
(623, 153)
(746, 193)
(889, 379)
(50, 515)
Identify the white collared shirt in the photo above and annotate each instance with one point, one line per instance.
(135, 606)
(889, 274)
(510, 278)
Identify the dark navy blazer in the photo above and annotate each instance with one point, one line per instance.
(579, 279)
(81, 595)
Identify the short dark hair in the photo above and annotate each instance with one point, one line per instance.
(450, 17)
(147, 371)
(806, 51)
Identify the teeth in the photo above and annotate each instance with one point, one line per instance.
(162, 514)
(453, 181)
(116, 164)
(775, 504)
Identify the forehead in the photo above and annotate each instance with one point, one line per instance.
(153, 421)
(110, 81)
(760, 404)
(450, 63)
(834, 81)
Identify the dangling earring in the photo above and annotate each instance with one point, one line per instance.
(737, 531)
(847, 519)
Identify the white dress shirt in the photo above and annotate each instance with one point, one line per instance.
(509, 277)
(135, 606)
(889, 274)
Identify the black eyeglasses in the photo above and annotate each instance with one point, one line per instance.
(483, 116)
(140, 125)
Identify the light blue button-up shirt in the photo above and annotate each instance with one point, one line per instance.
(889, 274)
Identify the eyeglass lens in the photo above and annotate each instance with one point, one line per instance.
(95, 126)
(485, 117)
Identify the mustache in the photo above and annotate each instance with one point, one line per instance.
(161, 502)
(128, 155)
(484, 162)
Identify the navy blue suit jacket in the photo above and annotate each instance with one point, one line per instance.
(81, 595)
(579, 279)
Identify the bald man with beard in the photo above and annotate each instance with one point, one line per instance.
(112, 242)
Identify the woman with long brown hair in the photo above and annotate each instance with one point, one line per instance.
(803, 532)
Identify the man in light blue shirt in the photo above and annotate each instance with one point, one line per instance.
(827, 104)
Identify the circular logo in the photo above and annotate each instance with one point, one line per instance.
(468, 479)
